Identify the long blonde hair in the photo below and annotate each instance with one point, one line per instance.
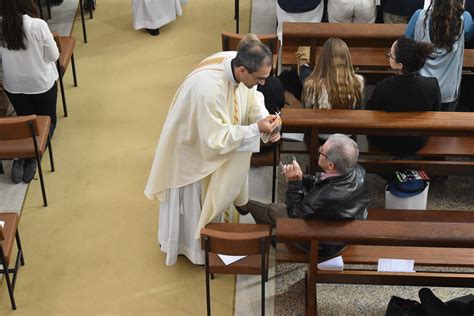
(334, 73)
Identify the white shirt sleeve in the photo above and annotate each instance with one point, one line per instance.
(50, 49)
(251, 142)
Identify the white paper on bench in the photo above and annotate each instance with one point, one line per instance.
(335, 264)
(230, 259)
(395, 265)
(2, 223)
(298, 137)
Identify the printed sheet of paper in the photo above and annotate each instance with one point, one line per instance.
(335, 264)
(230, 259)
(395, 265)
(298, 137)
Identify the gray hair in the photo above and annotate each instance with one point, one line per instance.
(343, 152)
(248, 38)
(252, 56)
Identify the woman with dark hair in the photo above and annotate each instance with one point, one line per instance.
(28, 54)
(445, 24)
(407, 91)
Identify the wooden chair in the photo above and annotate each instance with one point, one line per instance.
(230, 41)
(8, 235)
(66, 45)
(252, 240)
(26, 137)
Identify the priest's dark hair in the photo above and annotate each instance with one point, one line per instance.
(13, 35)
(252, 56)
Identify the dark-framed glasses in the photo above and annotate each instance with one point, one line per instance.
(388, 54)
(320, 151)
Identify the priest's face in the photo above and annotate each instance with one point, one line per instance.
(252, 79)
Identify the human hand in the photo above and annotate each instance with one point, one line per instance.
(292, 171)
(275, 137)
(267, 124)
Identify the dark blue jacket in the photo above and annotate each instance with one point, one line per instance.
(402, 7)
(469, 6)
(298, 6)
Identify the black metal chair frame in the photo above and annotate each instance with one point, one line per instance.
(236, 15)
(61, 82)
(38, 160)
(264, 274)
(274, 171)
(81, 6)
(6, 271)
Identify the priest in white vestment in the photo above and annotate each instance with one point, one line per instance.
(202, 160)
(153, 14)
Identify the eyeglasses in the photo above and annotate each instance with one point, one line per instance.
(388, 54)
(320, 151)
(260, 80)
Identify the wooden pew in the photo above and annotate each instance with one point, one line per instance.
(372, 60)
(452, 135)
(354, 34)
(367, 43)
(431, 238)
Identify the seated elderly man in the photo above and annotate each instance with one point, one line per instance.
(339, 192)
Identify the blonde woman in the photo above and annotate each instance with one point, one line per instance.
(333, 84)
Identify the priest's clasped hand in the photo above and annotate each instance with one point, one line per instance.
(270, 128)
(268, 124)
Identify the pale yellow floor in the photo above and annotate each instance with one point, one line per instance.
(94, 249)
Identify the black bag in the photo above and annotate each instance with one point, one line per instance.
(90, 5)
(291, 82)
(274, 94)
(401, 307)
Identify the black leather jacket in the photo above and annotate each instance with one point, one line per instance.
(342, 197)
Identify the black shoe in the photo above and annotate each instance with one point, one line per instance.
(242, 210)
(56, 2)
(273, 241)
(90, 4)
(430, 304)
(17, 170)
(29, 170)
(154, 32)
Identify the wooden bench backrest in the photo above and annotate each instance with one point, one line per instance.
(354, 34)
(421, 216)
(366, 122)
(428, 123)
(376, 232)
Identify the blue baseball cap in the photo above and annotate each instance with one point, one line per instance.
(406, 189)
